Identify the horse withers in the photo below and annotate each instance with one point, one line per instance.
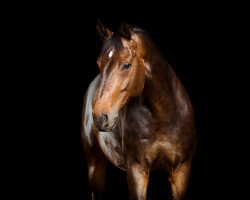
(137, 115)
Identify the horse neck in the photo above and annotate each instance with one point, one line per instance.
(158, 91)
(163, 93)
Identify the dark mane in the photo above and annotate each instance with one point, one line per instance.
(113, 41)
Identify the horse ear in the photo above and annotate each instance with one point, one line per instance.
(125, 30)
(102, 30)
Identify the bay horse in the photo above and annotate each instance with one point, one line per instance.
(137, 115)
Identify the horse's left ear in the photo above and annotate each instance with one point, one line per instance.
(102, 30)
(125, 30)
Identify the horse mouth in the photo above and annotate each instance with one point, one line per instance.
(108, 128)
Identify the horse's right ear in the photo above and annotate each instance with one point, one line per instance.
(125, 30)
(102, 30)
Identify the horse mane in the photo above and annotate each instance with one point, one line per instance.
(114, 41)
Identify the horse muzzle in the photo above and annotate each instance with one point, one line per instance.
(102, 123)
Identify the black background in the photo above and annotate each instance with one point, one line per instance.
(201, 42)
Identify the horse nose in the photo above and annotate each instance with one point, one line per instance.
(101, 121)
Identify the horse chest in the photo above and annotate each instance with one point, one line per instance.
(111, 146)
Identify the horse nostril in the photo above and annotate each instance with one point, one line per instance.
(101, 121)
(104, 118)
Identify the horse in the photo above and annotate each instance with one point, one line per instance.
(136, 115)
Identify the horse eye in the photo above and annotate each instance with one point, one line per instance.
(126, 66)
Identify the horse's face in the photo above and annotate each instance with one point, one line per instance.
(122, 76)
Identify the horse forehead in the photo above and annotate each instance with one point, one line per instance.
(106, 57)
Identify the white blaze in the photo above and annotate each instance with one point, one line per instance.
(110, 54)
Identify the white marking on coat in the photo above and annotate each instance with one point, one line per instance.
(111, 53)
